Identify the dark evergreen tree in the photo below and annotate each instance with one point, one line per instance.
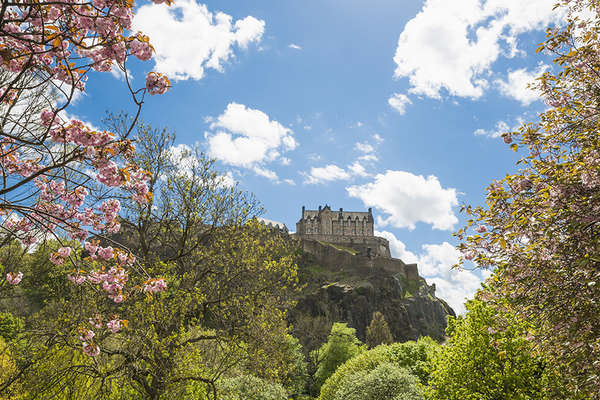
(378, 332)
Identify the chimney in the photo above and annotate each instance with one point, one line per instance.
(302, 211)
(319, 208)
(341, 209)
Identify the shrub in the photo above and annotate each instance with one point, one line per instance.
(250, 387)
(415, 357)
(386, 382)
(341, 346)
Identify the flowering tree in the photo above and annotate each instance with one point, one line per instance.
(540, 226)
(56, 173)
(230, 281)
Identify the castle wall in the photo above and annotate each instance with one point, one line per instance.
(333, 258)
(378, 246)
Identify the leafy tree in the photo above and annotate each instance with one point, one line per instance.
(10, 326)
(229, 282)
(539, 228)
(414, 357)
(249, 387)
(378, 331)
(386, 382)
(59, 176)
(312, 332)
(342, 344)
(489, 356)
(8, 371)
(279, 358)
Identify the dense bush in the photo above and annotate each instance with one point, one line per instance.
(415, 357)
(250, 387)
(386, 382)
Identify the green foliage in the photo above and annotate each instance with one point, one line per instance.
(386, 382)
(8, 371)
(10, 326)
(64, 373)
(341, 346)
(248, 387)
(279, 358)
(489, 357)
(415, 357)
(378, 331)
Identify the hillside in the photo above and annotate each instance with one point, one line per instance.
(341, 284)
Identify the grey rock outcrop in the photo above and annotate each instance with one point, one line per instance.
(350, 288)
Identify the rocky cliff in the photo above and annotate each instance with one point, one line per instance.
(341, 284)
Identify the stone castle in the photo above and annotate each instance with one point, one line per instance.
(352, 229)
(347, 238)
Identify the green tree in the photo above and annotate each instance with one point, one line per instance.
(489, 356)
(386, 382)
(414, 357)
(229, 280)
(539, 227)
(378, 331)
(342, 344)
(249, 387)
(279, 358)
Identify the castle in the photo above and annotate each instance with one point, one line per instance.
(347, 238)
(352, 229)
(326, 222)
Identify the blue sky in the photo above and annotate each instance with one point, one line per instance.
(384, 104)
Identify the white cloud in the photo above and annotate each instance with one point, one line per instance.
(285, 161)
(398, 248)
(435, 263)
(500, 128)
(294, 46)
(289, 182)
(452, 45)
(378, 138)
(327, 173)
(185, 157)
(267, 173)
(516, 84)
(227, 180)
(408, 199)
(245, 137)
(332, 172)
(188, 38)
(364, 147)
(357, 169)
(368, 157)
(399, 102)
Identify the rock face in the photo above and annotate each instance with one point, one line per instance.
(352, 287)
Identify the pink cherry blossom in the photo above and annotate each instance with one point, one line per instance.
(76, 279)
(155, 286)
(157, 83)
(96, 322)
(106, 253)
(114, 325)
(90, 349)
(14, 279)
